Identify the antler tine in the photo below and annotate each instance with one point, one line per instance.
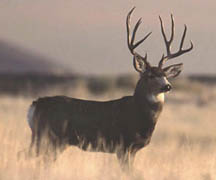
(134, 34)
(168, 43)
(135, 30)
(182, 42)
(143, 39)
(172, 29)
(128, 30)
(130, 40)
(183, 36)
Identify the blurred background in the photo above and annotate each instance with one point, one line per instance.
(86, 37)
(79, 49)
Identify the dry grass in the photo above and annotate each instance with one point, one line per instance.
(183, 145)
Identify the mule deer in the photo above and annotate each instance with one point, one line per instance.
(122, 126)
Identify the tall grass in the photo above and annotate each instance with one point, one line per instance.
(183, 144)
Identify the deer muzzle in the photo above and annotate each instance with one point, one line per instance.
(166, 88)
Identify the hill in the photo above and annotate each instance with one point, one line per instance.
(17, 60)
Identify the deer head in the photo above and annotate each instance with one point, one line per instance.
(154, 79)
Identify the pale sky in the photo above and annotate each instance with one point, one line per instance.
(90, 36)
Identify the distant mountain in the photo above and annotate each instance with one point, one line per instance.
(17, 60)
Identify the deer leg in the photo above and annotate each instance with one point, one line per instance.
(131, 157)
(38, 143)
(123, 160)
(55, 145)
(27, 152)
(32, 143)
(132, 152)
(126, 159)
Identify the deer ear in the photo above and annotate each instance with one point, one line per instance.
(139, 64)
(173, 70)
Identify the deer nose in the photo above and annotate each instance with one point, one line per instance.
(167, 88)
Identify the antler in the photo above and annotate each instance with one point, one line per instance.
(168, 43)
(130, 40)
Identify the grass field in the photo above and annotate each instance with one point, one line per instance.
(183, 145)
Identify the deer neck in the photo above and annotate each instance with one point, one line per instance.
(146, 99)
(149, 98)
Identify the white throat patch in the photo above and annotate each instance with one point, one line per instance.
(156, 98)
